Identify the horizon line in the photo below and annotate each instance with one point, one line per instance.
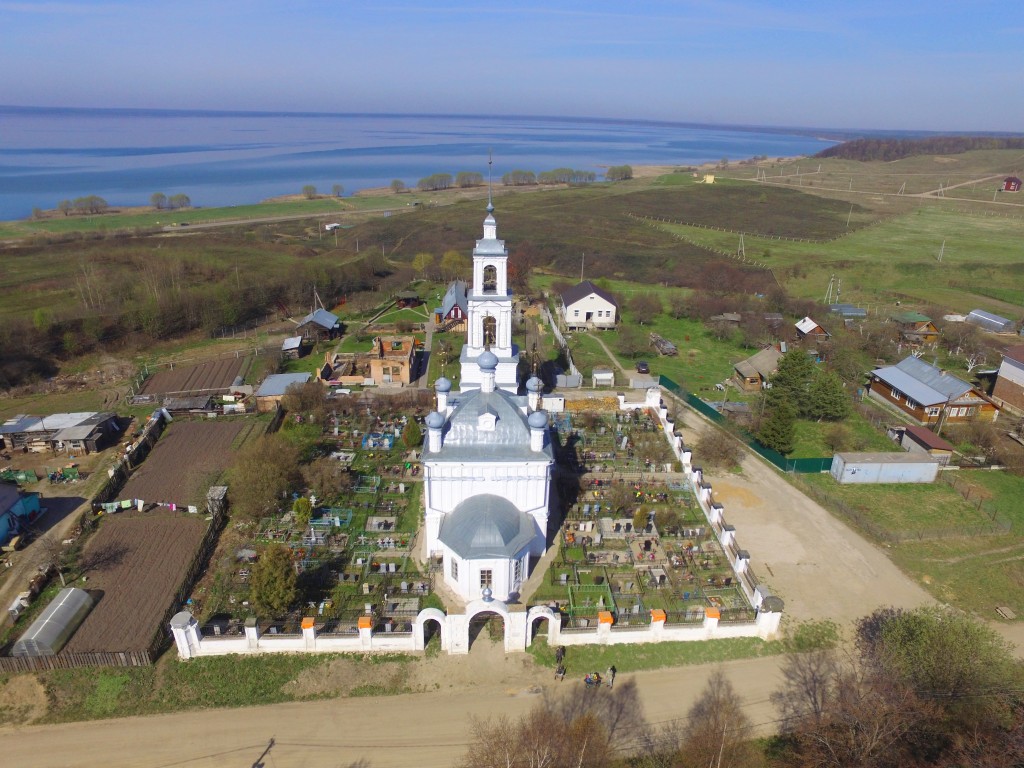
(813, 131)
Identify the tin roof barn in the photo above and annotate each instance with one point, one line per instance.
(320, 324)
(273, 388)
(291, 348)
(86, 431)
(989, 322)
(847, 310)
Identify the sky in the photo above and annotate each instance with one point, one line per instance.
(927, 65)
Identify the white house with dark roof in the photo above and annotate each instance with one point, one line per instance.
(587, 306)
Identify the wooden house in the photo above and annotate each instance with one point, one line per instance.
(753, 373)
(319, 325)
(808, 329)
(929, 395)
(916, 328)
(454, 307)
(408, 299)
(86, 432)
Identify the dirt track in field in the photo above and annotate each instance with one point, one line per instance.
(140, 561)
(188, 456)
(214, 376)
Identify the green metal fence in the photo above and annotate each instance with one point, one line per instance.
(800, 466)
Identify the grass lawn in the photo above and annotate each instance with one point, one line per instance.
(904, 507)
(634, 658)
(60, 402)
(418, 314)
(172, 685)
(974, 574)
(861, 436)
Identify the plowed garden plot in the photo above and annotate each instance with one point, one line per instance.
(205, 378)
(140, 561)
(186, 460)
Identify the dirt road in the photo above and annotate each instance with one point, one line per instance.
(429, 730)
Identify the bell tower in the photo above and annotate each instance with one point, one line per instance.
(489, 309)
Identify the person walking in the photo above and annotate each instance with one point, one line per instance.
(611, 675)
(560, 654)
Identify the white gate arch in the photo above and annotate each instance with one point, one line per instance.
(554, 623)
(419, 633)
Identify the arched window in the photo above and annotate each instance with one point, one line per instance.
(490, 279)
(490, 330)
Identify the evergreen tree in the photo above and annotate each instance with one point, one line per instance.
(272, 583)
(303, 510)
(412, 435)
(778, 430)
(828, 398)
(791, 382)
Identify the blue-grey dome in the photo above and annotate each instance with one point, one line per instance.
(486, 526)
(538, 419)
(435, 420)
(442, 385)
(488, 361)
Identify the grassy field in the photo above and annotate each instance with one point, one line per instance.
(898, 259)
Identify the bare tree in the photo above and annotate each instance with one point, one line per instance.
(55, 554)
(717, 730)
(718, 448)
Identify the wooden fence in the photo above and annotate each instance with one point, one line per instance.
(76, 661)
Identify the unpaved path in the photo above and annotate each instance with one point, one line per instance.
(429, 730)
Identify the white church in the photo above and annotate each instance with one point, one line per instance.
(488, 457)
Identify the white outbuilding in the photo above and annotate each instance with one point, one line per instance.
(875, 467)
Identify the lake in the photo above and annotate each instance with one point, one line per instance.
(233, 158)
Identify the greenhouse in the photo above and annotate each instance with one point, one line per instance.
(55, 626)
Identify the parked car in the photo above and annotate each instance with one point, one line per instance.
(643, 367)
